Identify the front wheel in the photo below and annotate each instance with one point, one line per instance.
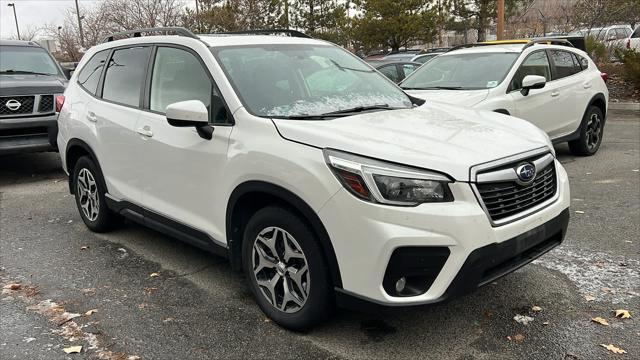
(591, 132)
(286, 270)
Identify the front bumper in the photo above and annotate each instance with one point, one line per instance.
(28, 134)
(477, 251)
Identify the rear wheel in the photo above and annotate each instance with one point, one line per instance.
(591, 131)
(89, 190)
(285, 268)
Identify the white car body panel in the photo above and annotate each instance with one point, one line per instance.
(183, 177)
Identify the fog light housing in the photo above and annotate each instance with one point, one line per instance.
(411, 270)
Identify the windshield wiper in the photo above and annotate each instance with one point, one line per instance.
(11, 71)
(434, 88)
(338, 113)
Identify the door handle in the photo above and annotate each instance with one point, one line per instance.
(586, 86)
(145, 131)
(555, 93)
(91, 116)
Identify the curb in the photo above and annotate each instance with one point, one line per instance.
(626, 106)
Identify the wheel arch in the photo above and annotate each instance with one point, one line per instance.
(76, 149)
(251, 196)
(599, 101)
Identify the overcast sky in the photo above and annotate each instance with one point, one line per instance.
(36, 13)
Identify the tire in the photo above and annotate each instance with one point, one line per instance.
(297, 312)
(591, 133)
(89, 189)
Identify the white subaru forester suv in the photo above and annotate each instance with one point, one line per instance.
(546, 81)
(314, 174)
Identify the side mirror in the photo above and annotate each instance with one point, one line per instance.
(532, 82)
(190, 113)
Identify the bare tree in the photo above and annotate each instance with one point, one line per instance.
(132, 14)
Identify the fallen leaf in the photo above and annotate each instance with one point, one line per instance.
(579, 212)
(89, 292)
(267, 320)
(522, 319)
(150, 290)
(86, 247)
(600, 321)
(622, 314)
(589, 297)
(545, 323)
(155, 274)
(73, 349)
(169, 319)
(517, 337)
(536, 308)
(91, 312)
(606, 289)
(12, 286)
(614, 349)
(69, 222)
(134, 357)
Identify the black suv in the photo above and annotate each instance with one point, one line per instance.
(30, 81)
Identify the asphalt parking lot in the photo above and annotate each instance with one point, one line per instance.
(156, 298)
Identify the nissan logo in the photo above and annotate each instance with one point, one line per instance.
(13, 104)
(526, 173)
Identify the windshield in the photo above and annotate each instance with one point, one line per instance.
(462, 71)
(305, 80)
(26, 59)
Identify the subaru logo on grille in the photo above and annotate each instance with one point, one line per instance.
(526, 173)
(13, 104)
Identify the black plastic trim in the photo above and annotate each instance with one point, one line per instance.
(298, 204)
(167, 226)
(483, 265)
(79, 143)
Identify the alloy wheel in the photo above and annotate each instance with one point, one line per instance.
(87, 191)
(594, 131)
(281, 269)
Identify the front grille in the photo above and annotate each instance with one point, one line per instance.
(46, 104)
(504, 199)
(26, 105)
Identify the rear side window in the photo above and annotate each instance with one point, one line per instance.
(564, 64)
(178, 76)
(89, 76)
(125, 75)
(636, 34)
(584, 63)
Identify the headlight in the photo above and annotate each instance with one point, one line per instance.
(387, 183)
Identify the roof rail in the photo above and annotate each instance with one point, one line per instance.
(175, 30)
(527, 43)
(548, 41)
(288, 32)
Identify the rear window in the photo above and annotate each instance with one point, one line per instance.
(125, 75)
(89, 76)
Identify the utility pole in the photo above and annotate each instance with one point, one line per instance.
(79, 24)
(15, 17)
(500, 29)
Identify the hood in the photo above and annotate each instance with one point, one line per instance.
(459, 97)
(439, 137)
(20, 84)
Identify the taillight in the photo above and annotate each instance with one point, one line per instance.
(59, 102)
(604, 76)
(629, 43)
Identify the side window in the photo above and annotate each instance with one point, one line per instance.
(536, 63)
(408, 69)
(391, 72)
(584, 63)
(636, 33)
(178, 76)
(125, 75)
(89, 76)
(564, 64)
